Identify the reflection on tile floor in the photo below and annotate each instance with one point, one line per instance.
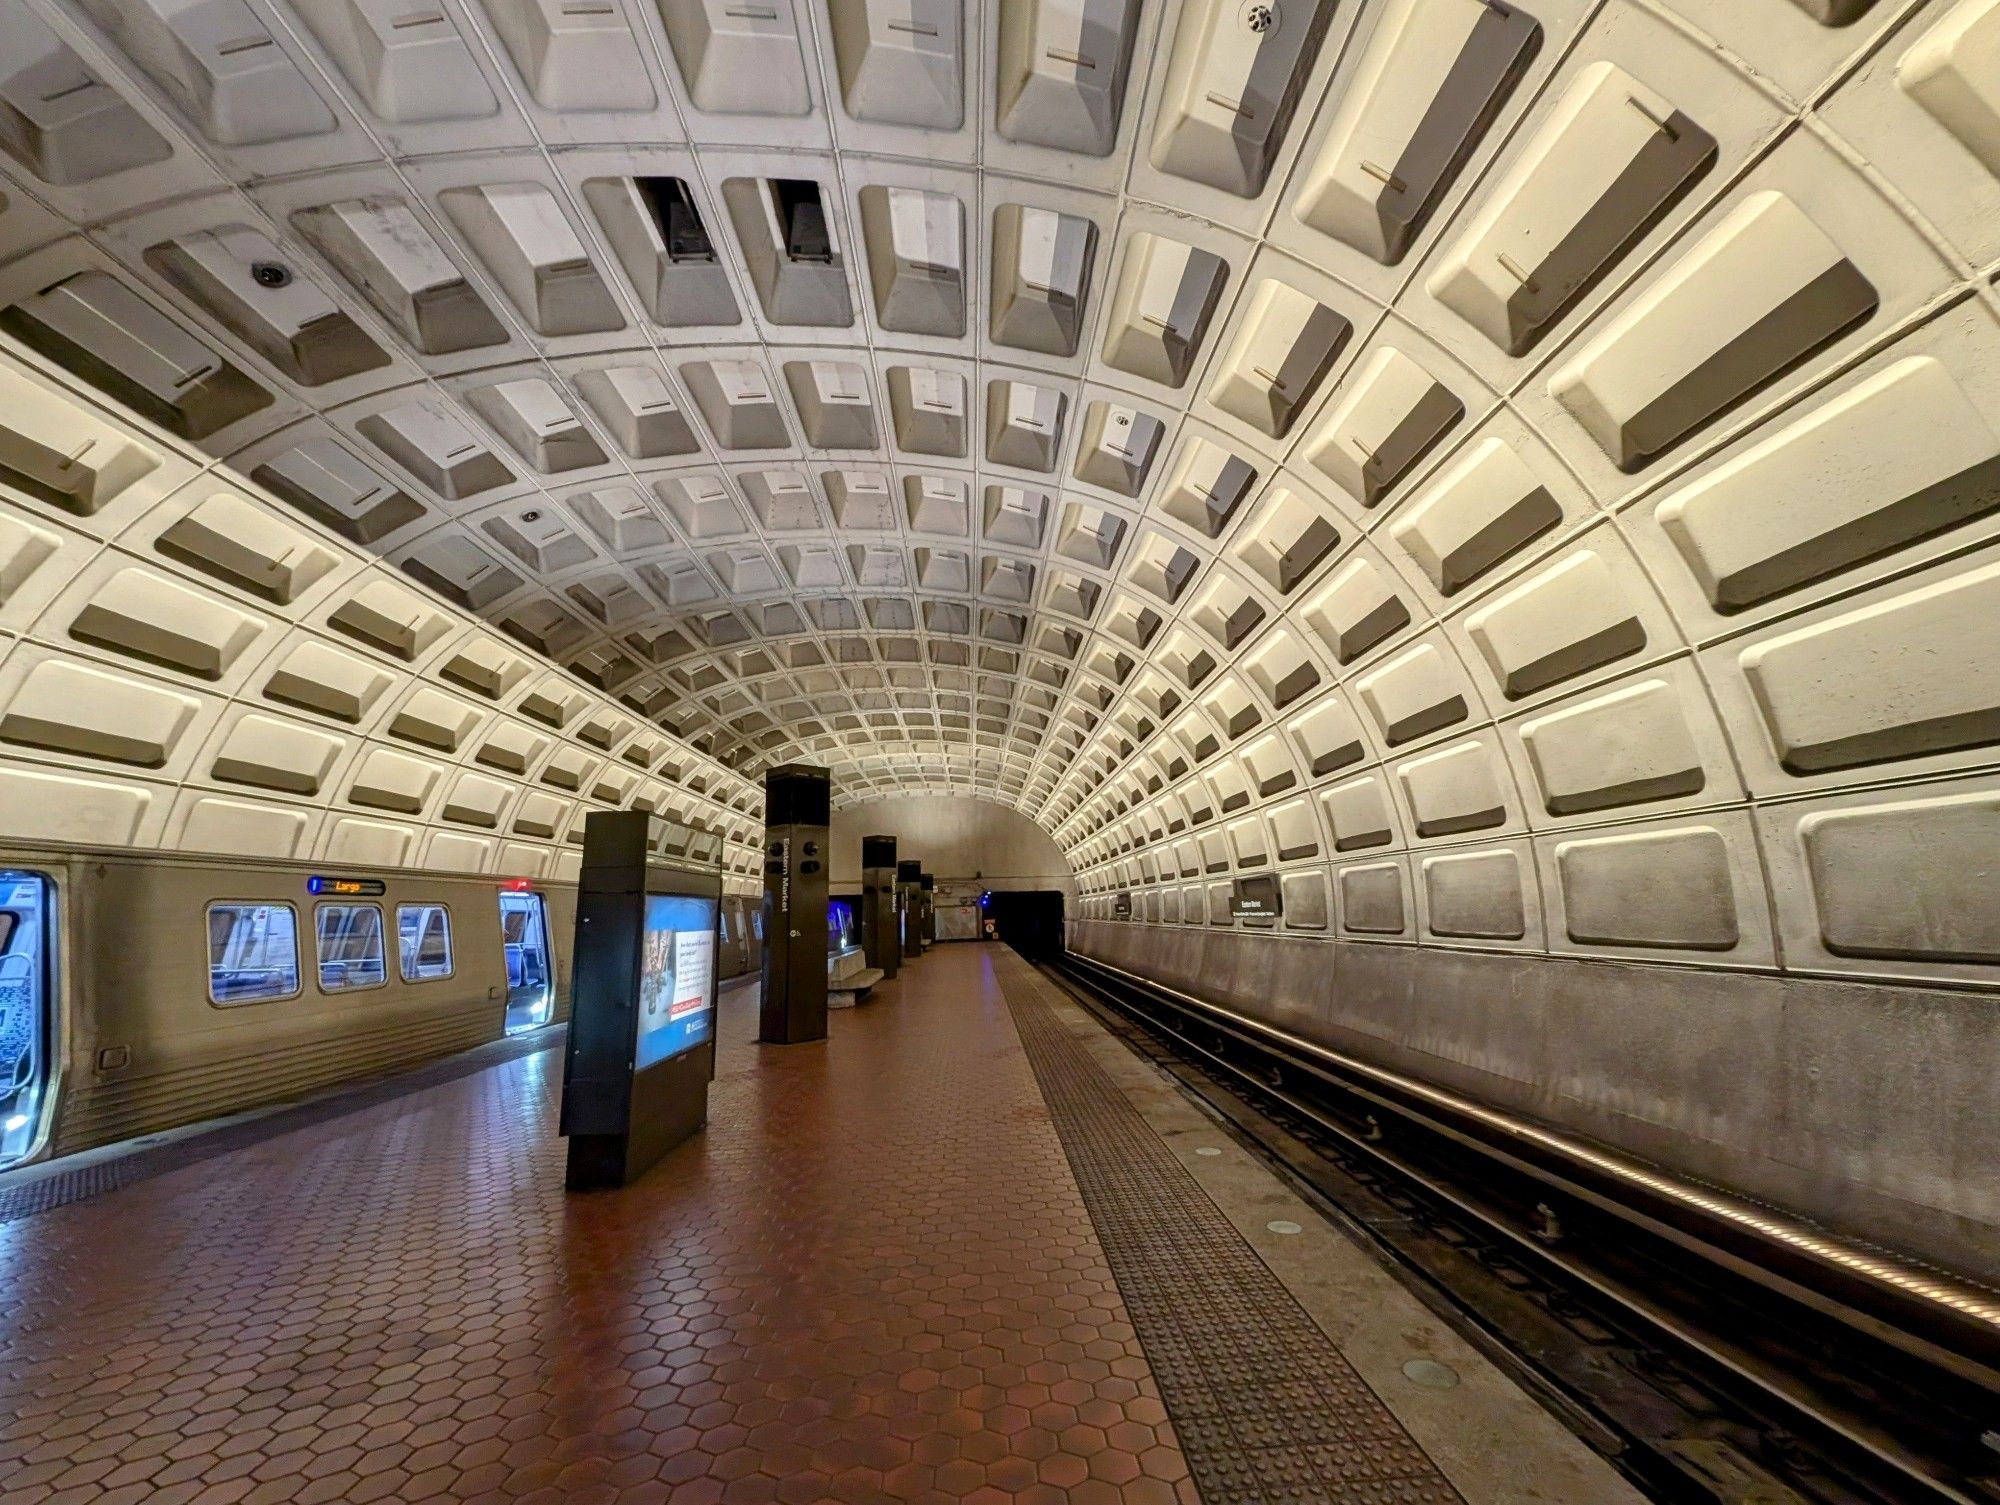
(872, 1279)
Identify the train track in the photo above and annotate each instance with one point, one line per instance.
(1713, 1360)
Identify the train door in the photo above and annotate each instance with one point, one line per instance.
(746, 932)
(524, 932)
(27, 1014)
(735, 938)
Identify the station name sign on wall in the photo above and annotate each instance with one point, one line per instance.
(1256, 898)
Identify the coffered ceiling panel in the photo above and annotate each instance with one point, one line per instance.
(1321, 431)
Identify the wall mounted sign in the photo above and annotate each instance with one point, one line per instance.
(1257, 897)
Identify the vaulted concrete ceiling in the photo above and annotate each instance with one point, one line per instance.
(1235, 434)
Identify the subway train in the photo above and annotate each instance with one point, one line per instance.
(143, 991)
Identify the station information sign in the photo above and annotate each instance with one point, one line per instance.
(1256, 897)
(641, 1045)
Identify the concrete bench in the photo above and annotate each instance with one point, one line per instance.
(847, 991)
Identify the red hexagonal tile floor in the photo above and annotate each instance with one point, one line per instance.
(872, 1278)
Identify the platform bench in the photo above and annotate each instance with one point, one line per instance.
(852, 988)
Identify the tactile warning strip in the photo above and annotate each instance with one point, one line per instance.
(29, 1192)
(1266, 1408)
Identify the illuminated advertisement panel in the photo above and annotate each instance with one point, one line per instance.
(676, 977)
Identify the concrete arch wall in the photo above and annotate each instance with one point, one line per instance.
(963, 840)
(1553, 523)
(188, 666)
(1626, 600)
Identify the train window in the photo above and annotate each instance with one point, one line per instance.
(350, 947)
(722, 923)
(423, 932)
(757, 921)
(253, 952)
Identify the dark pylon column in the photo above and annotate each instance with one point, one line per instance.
(797, 806)
(908, 901)
(879, 938)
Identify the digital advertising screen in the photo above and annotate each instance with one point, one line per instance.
(676, 976)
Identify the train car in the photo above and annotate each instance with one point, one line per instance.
(142, 991)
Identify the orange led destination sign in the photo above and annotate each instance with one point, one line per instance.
(346, 888)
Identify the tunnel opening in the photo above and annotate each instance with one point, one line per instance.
(1030, 921)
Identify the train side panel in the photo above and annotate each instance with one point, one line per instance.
(142, 1044)
(148, 1047)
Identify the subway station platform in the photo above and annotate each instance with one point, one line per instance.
(968, 1248)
